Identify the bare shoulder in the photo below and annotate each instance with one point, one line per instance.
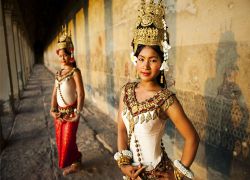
(174, 107)
(168, 99)
(77, 73)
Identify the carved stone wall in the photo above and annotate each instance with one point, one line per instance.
(209, 71)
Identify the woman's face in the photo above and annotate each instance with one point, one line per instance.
(148, 64)
(63, 57)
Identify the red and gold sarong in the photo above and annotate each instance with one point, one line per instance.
(66, 138)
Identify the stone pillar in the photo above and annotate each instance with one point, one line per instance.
(31, 57)
(6, 87)
(8, 6)
(22, 58)
(18, 55)
(26, 58)
(4, 74)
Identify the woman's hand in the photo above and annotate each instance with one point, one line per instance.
(56, 115)
(132, 171)
(73, 119)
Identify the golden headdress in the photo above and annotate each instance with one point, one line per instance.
(65, 42)
(151, 27)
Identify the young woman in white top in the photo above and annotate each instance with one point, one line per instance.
(143, 110)
(66, 104)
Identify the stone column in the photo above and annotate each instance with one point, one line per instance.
(20, 38)
(6, 87)
(26, 60)
(8, 6)
(4, 74)
(31, 57)
(17, 51)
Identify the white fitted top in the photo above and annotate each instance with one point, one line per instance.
(149, 123)
(66, 89)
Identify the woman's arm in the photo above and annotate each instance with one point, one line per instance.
(186, 129)
(53, 98)
(53, 104)
(122, 140)
(79, 89)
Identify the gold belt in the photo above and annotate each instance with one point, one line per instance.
(68, 110)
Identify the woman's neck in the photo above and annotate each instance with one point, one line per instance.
(149, 85)
(66, 67)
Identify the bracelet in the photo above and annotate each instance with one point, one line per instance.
(124, 160)
(123, 153)
(123, 157)
(76, 111)
(188, 173)
(54, 109)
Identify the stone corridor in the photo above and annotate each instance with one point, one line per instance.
(31, 152)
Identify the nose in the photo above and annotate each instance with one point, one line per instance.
(146, 64)
(64, 58)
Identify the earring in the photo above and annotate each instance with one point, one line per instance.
(162, 80)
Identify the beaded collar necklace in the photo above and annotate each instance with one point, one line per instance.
(60, 77)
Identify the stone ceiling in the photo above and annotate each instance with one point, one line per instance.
(41, 18)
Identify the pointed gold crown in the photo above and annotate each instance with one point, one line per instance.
(149, 28)
(64, 41)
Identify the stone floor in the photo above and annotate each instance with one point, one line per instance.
(31, 152)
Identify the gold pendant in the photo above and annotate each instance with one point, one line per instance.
(134, 109)
(142, 118)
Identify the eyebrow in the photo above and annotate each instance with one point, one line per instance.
(149, 57)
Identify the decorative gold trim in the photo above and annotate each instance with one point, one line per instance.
(60, 78)
(163, 97)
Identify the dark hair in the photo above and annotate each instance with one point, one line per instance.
(69, 54)
(158, 50)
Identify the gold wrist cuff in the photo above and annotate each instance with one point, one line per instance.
(76, 111)
(123, 160)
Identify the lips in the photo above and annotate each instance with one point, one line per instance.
(145, 73)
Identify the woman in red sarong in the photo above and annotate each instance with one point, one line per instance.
(66, 104)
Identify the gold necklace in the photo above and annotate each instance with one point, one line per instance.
(60, 77)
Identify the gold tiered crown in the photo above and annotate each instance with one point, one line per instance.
(149, 25)
(64, 41)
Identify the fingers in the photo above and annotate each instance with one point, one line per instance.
(60, 119)
(139, 170)
(130, 170)
(57, 115)
(53, 114)
(135, 168)
(71, 119)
